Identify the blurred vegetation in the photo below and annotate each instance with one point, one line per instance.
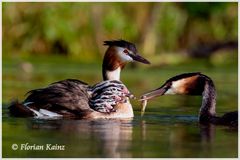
(160, 30)
(47, 42)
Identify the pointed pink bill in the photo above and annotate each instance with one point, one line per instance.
(154, 93)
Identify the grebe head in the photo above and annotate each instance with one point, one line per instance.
(184, 84)
(189, 84)
(125, 51)
(107, 94)
(118, 54)
(195, 84)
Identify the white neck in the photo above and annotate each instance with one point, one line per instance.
(114, 75)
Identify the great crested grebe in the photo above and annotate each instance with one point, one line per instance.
(196, 84)
(74, 98)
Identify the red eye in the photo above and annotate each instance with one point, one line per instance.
(125, 51)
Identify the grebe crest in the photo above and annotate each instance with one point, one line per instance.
(118, 54)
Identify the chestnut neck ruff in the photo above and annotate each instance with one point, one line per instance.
(112, 65)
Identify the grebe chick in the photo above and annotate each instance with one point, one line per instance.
(70, 97)
(196, 84)
(107, 94)
(103, 97)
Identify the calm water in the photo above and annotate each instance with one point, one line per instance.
(169, 127)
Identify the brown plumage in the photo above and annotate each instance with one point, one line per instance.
(196, 84)
(70, 97)
(111, 62)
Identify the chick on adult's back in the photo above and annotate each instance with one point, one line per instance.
(71, 98)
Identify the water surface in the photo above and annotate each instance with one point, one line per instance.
(169, 127)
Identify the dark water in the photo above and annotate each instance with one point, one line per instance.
(169, 127)
(151, 136)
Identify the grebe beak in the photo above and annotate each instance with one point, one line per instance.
(154, 93)
(139, 58)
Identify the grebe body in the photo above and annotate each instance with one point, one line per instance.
(196, 84)
(74, 98)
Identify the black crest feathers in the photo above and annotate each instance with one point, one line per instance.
(121, 43)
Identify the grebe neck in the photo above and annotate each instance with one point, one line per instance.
(113, 75)
(208, 108)
(112, 65)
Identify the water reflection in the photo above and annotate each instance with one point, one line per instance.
(207, 132)
(151, 136)
(184, 136)
(115, 136)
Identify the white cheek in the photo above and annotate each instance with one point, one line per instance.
(177, 84)
(125, 58)
(122, 56)
(170, 91)
(175, 87)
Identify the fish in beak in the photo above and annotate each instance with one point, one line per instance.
(154, 93)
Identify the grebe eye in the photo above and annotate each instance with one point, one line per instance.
(125, 51)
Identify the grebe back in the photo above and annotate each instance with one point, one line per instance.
(72, 98)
